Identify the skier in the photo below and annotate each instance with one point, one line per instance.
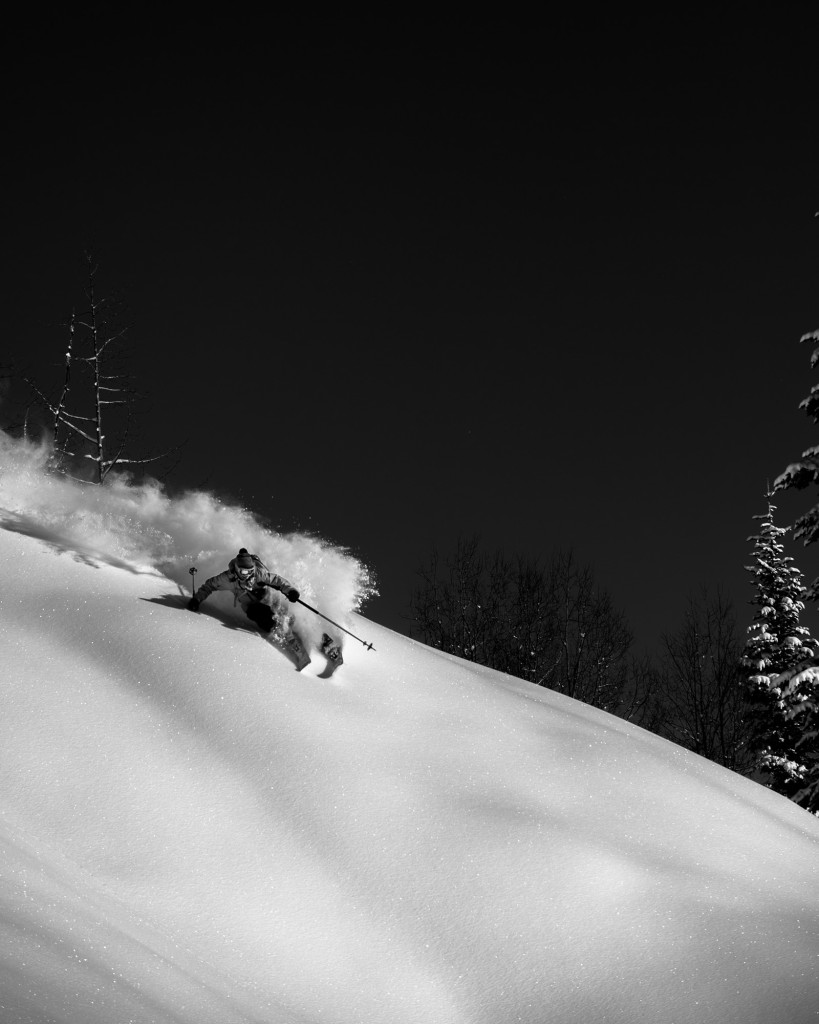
(253, 584)
(253, 587)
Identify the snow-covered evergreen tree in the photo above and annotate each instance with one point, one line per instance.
(800, 692)
(801, 474)
(799, 686)
(777, 645)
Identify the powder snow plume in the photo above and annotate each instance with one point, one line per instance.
(140, 527)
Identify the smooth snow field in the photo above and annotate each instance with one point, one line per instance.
(191, 832)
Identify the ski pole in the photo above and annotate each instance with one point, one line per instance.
(317, 612)
(193, 571)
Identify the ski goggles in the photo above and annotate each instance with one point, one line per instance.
(245, 574)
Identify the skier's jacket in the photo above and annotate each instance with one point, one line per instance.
(245, 593)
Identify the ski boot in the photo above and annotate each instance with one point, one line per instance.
(332, 652)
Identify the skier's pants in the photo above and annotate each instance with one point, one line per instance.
(262, 615)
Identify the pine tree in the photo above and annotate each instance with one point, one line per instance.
(800, 686)
(776, 651)
(801, 474)
(800, 691)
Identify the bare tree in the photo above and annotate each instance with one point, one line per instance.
(89, 384)
(480, 607)
(641, 699)
(552, 625)
(593, 638)
(706, 710)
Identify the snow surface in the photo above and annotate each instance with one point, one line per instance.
(193, 832)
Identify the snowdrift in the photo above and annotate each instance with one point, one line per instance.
(194, 833)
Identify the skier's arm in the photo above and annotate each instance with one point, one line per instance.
(220, 582)
(280, 583)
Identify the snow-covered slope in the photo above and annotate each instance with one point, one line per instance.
(194, 833)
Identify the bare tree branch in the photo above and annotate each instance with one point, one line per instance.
(94, 332)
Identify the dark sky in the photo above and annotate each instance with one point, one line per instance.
(544, 291)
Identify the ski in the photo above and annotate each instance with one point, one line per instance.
(296, 650)
(290, 645)
(332, 652)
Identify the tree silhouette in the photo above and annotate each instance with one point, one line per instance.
(93, 413)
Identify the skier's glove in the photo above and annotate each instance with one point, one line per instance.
(292, 594)
(193, 605)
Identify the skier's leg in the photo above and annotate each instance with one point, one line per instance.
(285, 629)
(262, 614)
(282, 618)
(270, 617)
